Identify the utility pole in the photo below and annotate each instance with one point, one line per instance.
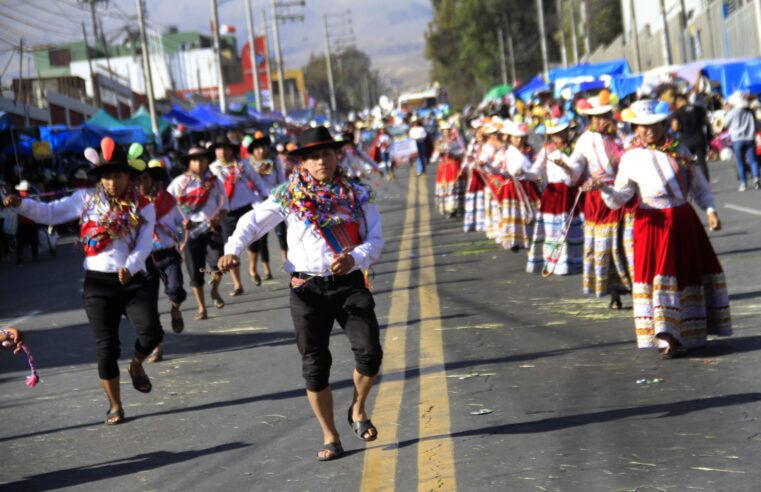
(105, 48)
(278, 57)
(20, 89)
(252, 49)
(585, 22)
(682, 34)
(267, 59)
(218, 55)
(574, 39)
(666, 38)
(93, 79)
(329, 66)
(148, 76)
(561, 33)
(542, 40)
(276, 18)
(502, 64)
(510, 49)
(635, 31)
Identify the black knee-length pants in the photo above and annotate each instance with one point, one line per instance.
(106, 300)
(314, 308)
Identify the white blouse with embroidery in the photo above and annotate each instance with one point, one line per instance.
(651, 174)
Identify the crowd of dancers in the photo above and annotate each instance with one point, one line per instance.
(610, 205)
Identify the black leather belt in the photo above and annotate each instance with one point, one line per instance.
(330, 279)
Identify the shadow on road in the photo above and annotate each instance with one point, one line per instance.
(661, 410)
(72, 477)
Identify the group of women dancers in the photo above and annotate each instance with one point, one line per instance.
(617, 213)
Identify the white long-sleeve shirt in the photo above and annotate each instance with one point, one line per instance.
(116, 255)
(168, 229)
(637, 173)
(516, 160)
(550, 172)
(242, 195)
(308, 252)
(597, 155)
(217, 201)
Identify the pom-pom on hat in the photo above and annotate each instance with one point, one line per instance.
(110, 158)
(597, 105)
(259, 140)
(646, 112)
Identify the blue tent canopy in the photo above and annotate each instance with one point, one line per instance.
(23, 145)
(624, 85)
(208, 115)
(526, 91)
(751, 80)
(63, 139)
(594, 70)
(729, 75)
(178, 116)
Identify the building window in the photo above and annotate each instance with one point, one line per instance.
(60, 57)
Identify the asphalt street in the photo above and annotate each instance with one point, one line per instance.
(493, 379)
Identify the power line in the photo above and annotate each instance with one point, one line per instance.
(36, 26)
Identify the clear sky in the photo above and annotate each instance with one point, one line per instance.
(390, 31)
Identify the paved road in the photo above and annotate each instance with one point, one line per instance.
(464, 330)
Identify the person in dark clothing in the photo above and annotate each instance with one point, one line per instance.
(691, 121)
(28, 230)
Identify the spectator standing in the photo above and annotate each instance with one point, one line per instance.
(741, 124)
(691, 121)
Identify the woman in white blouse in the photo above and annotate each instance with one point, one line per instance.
(680, 292)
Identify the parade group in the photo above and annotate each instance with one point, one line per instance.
(590, 200)
(593, 199)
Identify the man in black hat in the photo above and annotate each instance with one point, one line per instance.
(116, 235)
(268, 174)
(334, 234)
(201, 198)
(240, 188)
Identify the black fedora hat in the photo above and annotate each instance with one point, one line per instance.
(222, 141)
(110, 158)
(314, 139)
(260, 140)
(197, 152)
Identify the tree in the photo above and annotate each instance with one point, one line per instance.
(462, 45)
(357, 85)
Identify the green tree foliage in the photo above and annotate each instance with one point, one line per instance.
(462, 44)
(356, 83)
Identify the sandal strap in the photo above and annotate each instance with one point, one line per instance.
(332, 447)
(361, 427)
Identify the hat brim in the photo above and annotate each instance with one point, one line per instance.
(556, 129)
(335, 145)
(647, 120)
(232, 146)
(259, 142)
(209, 155)
(598, 110)
(101, 169)
(157, 173)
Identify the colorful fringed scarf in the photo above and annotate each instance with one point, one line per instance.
(194, 200)
(118, 218)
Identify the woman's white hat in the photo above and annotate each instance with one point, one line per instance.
(646, 112)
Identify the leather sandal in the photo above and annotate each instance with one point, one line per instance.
(201, 315)
(334, 449)
(114, 417)
(141, 383)
(361, 427)
(156, 356)
(178, 324)
(236, 292)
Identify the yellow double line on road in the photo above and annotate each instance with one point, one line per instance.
(435, 454)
